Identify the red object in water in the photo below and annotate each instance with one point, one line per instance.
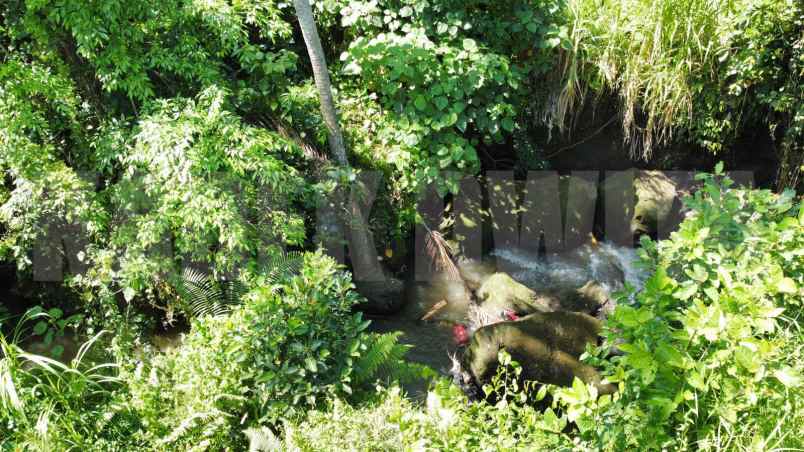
(511, 315)
(460, 334)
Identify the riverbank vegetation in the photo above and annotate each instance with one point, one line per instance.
(167, 172)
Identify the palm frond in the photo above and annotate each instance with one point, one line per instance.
(284, 265)
(203, 295)
(262, 439)
(440, 254)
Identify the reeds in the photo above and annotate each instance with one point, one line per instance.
(651, 53)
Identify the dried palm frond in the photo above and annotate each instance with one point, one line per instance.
(440, 254)
(478, 318)
(309, 151)
(434, 310)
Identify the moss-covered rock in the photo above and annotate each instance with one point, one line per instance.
(590, 298)
(500, 293)
(474, 272)
(546, 344)
(637, 202)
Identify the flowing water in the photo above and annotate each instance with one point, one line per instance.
(611, 266)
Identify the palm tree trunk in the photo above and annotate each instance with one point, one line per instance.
(383, 292)
(321, 75)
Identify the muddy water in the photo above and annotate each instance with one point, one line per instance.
(432, 341)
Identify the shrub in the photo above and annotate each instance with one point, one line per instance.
(448, 421)
(287, 349)
(710, 74)
(712, 348)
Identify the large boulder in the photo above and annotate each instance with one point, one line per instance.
(500, 294)
(638, 202)
(474, 272)
(382, 297)
(546, 344)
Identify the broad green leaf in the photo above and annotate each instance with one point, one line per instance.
(40, 328)
(420, 102)
(552, 423)
(57, 351)
(787, 285)
(788, 376)
(508, 124)
(686, 291)
(668, 354)
(311, 364)
(441, 102)
(129, 293)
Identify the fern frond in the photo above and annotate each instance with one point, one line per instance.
(384, 358)
(202, 295)
(379, 349)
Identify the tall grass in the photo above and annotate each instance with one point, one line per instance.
(648, 52)
(46, 405)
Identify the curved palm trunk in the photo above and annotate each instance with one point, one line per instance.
(383, 292)
(321, 75)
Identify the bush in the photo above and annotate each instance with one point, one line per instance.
(448, 421)
(287, 349)
(713, 346)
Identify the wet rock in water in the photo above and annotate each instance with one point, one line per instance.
(638, 202)
(500, 294)
(546, 344)
(591, 298)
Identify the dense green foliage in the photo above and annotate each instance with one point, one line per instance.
(170, 153)
(712, 350)
(48, 405)
(285, 350)
(446, 422)
(293, 345)
(708, 357)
